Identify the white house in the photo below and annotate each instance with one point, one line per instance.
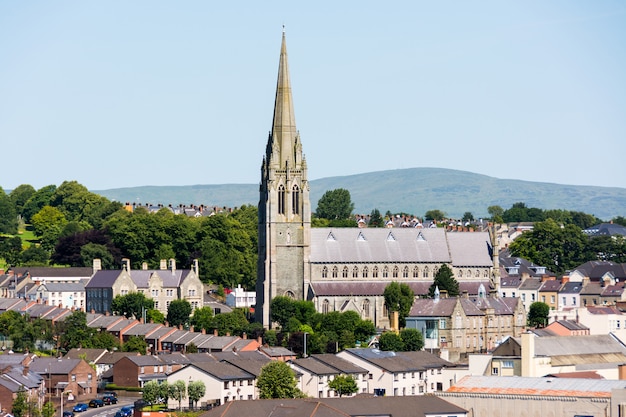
(239, 297)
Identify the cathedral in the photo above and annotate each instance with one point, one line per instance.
(342, 269)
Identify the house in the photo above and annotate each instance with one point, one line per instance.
(569, 295)
(240, 298)
(161, 285)
(20, 378)
(399, 373)
(314, 376)
(529, 291)
(224, 382)
(605, 229)
(73, 376)
(135, 371)
(549, 291)
(422, 406)
(532, 356)
(65, 295)
(491, 396)
(463, 325)
(567, 328)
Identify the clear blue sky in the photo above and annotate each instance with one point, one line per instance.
(127, 93)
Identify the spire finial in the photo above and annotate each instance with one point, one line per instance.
(283, 28)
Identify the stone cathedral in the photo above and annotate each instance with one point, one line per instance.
(343, 269)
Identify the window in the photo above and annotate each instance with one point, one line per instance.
(281, 199)
(507, 364)
(73, 377)
(552, 300)
(574, 301)
(344, 272)
(416, 272)
(325, 306)
(385, 272)
(405, 272)
(226, 385)
(355, 272)
(494, 371)
(191, 292)
(365, 271)
(375, 272)
(394, 273)
(532, 297)
(425, 272)
(295, 200)
(325, 272)
(366, 308)
(442, 323)
(335, 272)
(564, 301)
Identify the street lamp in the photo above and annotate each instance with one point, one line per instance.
(304, 354)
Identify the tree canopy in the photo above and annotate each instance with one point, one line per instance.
(445, 281)
(343, 385)
(538, 313)
(335, 205)
(278, 380)
(399, 297)
(131, 305)
(178, 313)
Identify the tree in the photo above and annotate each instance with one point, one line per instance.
(538, 314)
(399, 297)
(20, 404)
(278, 380)
(48, 409)
(496, 213)
(335, 205)
(155, 316)
(11, 250)
(135, 344)
(376, 220)
(445, 281)
(178, 313)
(282, 308)
(436, 215)
(8, 215)
(202, 319)
(343, 385)
(390, 341)
(81, 248)
(468, 216)
(234, 323)
(195, 391)
(20, 195)
(48, 224)
(104, 340)
(34, 255)
(412, 339)
(37, 201)
(74, 332)
(131, 305)
(177, 391)
(151, 392)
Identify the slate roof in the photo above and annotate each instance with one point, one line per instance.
(552, 387)
(43, 272)
(340, 364)
(530, 284)
(523, 266)
(315, 367)
(471, 249)
(90, 355)
(121, 325)
(13, 304)
(143, 329)
(354, 245)
(377, 288)
(572, 325)
(571, 288)
(111, 357)
(53, 365)
(551, 285)
(579, 349)
(474, 306)
(408, 406)
(103, 279)
(395, 361)
(64, 286)
(276, 351)
(223, 370)
(605, 229)
(595, 270)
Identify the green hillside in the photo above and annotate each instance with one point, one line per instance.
(413, 190)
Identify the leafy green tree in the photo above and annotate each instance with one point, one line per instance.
(8, 215)
(278, 380)
(606, 248)
(178, 313)
(436, 215)
(496, 213)
(11, 250)
(195, 390)
(81, 248)
(538, 314)
(363, 330)
(135, 344)
(390, 341)
(20, 195)
(178, 392)
(282, 308)
(74, 332)
(376, 220)
(202, 319)
(343, 385)
(104, 340)
(445, 281)
(151, 392)
(20, 404)
(335, 205)
(132, 305)
(234, 323)
(399, 297)
(155, 316)
(468, 216)
(39, 200)
(412, 339)
(559, 248)
(48, 409)
(270, 338)
(34, 255)
(48, 224)
(621, 220)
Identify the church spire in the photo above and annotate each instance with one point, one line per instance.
(284, 134)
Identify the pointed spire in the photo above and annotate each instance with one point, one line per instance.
(284, 133)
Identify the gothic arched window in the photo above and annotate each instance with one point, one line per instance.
(366, 308)
(375, 272)
(344, 272)
(281, 199)
(385, 272)
(335, 271)
(325, 272)
(425, 272)
(405, 272)
(355, 272)
(416, 272)
(365, 272)
(325, 307)
(295, 199)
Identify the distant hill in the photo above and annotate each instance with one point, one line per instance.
(413, 190)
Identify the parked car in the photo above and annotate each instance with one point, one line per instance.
(109, 399)
(127, 411)
(68, 413)
(96, 402)
(80, 407)
(109, 393)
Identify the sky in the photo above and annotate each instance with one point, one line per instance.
(118, 94)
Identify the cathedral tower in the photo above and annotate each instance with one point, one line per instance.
(284, 207)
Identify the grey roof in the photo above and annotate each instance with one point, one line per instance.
(173, 337)
(471, 249)
(377, 288)
(90, 355)
(146, 360)
(605, 229)
(44, 272)
(576, 345)
(474, 306)
(223, 370)
(101, 321)
(595, 270)
(103, 279)
(170, 279)
(64, 286)
(160, 332)
(532, 284)
(122, 324)
(315, 367)
(329, 245)
(53, 365)
(14, 304)
(571, 288)
(217, 342)
(275, 351)
(572, 325)
(248, 363)
(143, 329)
(111, 357)
(387, 360)
(340, 364)
(550, 285)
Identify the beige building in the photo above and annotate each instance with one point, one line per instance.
(162, 285)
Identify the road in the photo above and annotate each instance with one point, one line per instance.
(106, 411)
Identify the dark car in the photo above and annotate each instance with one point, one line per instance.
(119, 413)
(80, 407)
(109, 394)
(127, 411)
(96, 402)
(109, 399)
(68, 413)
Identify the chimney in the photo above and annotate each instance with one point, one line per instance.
(195, 267)
(203, 331)
(244, 336)
(163, 264)
(173, 265)
(565, 279)
(144, 266)
(528, 354)
(126, 264)
(191, 329)
(214, 332)
(621, 371)
(96, 265)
